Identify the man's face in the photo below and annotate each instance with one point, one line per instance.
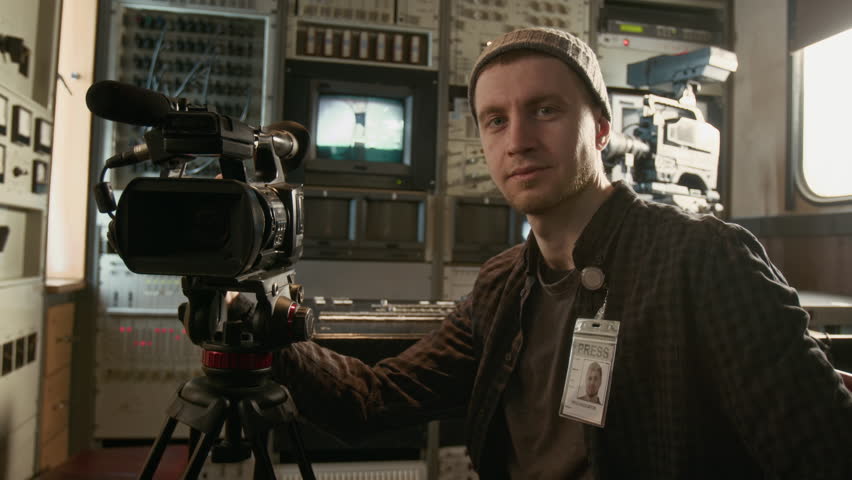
(593, 381)
(540, 132)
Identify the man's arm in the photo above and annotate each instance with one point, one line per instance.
(779, 390)
(431, 379)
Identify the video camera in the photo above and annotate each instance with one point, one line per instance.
(673, 154)
(243, 232)
(240, 233)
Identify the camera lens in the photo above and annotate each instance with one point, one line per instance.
(276, 216)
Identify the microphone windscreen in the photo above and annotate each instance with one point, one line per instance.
(125, 103)
(302, 136)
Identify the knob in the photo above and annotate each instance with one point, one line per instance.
(290, 323)
(303, 323)
(297, 292)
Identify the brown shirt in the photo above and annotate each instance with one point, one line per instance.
(544, 444)
(709, 332)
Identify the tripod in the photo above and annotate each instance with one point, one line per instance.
(239, 394)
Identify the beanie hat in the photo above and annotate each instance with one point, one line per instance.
(562, 45)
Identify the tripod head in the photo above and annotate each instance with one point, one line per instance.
(276, 319)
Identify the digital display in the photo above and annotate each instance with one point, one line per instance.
(361, 128)
(629, 28)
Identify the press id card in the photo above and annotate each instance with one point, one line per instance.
(589, 375)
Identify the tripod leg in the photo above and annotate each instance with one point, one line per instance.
(304, 465)
(194, 436)
(156, 453)
(199, 456)
(263, 469)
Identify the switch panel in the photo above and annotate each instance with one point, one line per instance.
(401, 33)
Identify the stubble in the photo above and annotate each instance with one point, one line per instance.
(563, 193)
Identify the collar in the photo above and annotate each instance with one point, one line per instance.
(593, 244)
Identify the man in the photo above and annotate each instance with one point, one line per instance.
(713, 375)
(594, 375)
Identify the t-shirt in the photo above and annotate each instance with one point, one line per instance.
(543, 444)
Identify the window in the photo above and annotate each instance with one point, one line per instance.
(825, 166)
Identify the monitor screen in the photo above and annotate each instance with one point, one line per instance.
(362, 121)
(394, 220)
(478, 224)
(328, 219)
(361, 128)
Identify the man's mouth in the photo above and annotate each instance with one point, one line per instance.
(526, 173)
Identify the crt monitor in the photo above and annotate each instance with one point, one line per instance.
(483, 227)
(342, 223)
(371, 127)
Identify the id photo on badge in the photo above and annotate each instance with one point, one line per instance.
(593, 388)
(584, 398)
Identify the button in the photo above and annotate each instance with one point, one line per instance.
(592, 278)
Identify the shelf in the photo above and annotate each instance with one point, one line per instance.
(64, 285)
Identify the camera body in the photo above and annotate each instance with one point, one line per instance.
(683, 147)
(248, 221)
(673, 154)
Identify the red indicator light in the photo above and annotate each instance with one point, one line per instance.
(177, 337)
(626, 42)
(121, 329)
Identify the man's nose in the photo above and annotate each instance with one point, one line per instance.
(521, 137)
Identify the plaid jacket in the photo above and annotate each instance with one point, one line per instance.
(714, 375)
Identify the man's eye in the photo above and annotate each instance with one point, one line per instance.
(496, 121)
(545, 110)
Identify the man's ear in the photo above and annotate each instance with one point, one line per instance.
(602, 132)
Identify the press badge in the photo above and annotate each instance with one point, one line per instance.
(587, 382)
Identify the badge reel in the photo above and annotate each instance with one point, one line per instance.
(589, 376)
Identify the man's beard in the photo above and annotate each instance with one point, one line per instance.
(537, 205)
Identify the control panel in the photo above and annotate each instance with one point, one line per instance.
(476, 22)
(398, 33)
(143, 351)
(26, 145)
(215, 53)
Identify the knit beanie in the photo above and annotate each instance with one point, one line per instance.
(562, 45)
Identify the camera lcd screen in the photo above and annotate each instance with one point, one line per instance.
(361, 128)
